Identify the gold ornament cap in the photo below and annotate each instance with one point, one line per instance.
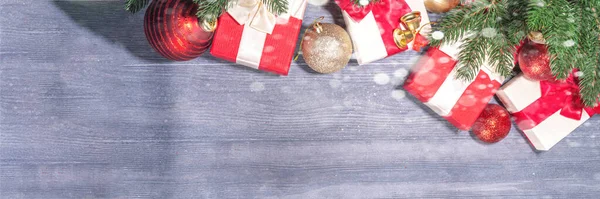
(536, 37)
(209, 26)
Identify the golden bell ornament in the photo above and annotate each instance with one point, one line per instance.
(326, 47)
(440, 6)
(412, 21)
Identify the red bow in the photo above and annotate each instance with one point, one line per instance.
(556, 95)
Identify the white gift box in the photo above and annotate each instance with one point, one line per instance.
(518, 94)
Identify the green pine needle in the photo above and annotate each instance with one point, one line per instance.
(134, 6)
(491, 29)
(210, 10)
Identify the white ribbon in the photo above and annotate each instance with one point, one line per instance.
(257, 16)
(258, 23)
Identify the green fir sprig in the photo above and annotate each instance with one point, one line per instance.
(134, 6)
(491, 29)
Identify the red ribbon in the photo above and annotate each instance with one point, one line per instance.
(556, 95)
(387, 14)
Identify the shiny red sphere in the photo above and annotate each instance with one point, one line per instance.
(172, 29)
(493, 124)
(534, 61)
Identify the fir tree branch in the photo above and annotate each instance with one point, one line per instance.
(472, 56)
(134, 6)
(588, 59)
(211, 10)
(276, 6)
(556, 20)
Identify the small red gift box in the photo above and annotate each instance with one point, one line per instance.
(250, 35)
(433, 82)
(546, 111)
(371, 27)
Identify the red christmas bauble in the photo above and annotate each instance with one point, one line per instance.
(172, 29)
(534, 61)
(493, 124)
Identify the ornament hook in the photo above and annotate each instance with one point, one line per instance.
(317, 27)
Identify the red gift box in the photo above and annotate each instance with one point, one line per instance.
(546, 111)
(249, 35)
(371, 27)
(433, 82)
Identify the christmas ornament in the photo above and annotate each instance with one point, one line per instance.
(412, 21)
(440, 6)
(493, 124)
(174, 31)
(326, 47)
(534, 61)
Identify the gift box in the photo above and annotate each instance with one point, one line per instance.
(371, 27)
(433, 82)
(546, 111)
(250, 35)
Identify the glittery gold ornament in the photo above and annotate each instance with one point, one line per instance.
(326, 47)
(441, 6)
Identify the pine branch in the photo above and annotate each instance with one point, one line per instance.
(556, 20)
(588, 59)
(472, 56)
(459, 22)
(276, 6)
(210, 10)
(134, 6)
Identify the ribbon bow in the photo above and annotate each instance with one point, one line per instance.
(256, 14)
(556, 95)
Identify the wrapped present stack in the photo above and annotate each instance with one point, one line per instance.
(250, 35)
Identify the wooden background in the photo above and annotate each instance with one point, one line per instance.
(88, 110)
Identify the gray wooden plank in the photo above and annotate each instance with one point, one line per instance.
(88, 110)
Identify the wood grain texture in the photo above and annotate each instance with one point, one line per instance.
(88, 110)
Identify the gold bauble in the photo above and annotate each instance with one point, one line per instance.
(440, 6)
(326, 47)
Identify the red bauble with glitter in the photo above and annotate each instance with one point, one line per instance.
(493, 124)
(173, 30)
(534, 61)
